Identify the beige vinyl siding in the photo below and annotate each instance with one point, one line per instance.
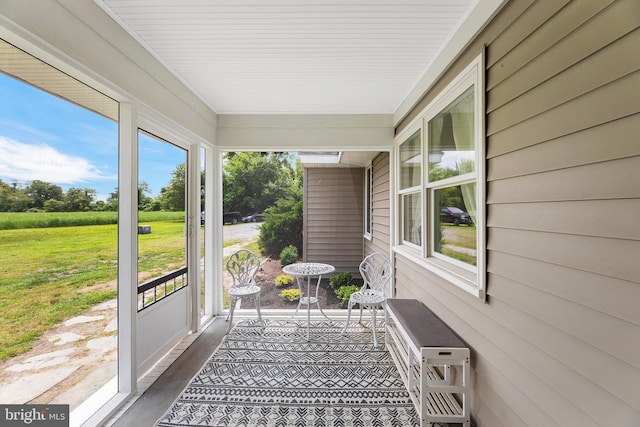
(380, 238)
(333, 217)
(557, 342)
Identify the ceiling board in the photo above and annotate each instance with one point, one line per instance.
(294, 56)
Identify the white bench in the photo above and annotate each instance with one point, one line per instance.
(433, 362)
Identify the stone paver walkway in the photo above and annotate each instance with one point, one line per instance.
(67, 364)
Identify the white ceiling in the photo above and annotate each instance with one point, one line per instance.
(294, 56)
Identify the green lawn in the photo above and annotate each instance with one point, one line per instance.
(462, 237)
(49, 274)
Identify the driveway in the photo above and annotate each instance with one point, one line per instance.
(241, 233)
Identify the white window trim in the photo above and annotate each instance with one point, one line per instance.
(470, 279)
(402, 138)
(368, 199)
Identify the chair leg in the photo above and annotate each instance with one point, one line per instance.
(350, 305)
(257, 299)
(360, 318)
(373, 325)
(226, 319)
(232, 306)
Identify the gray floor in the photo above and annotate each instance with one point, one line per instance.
(160, 395)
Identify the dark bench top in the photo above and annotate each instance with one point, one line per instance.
(423, 327)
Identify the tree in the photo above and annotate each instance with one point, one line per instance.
(5, 195)
(145, 203)
(39, 192)
(79, 200)
(53, 205)
(112, 201)
(451, 196)
(254, 181)
(172, 197)
(12, 198)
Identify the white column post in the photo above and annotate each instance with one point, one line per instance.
(127, 248)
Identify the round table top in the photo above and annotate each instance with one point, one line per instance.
(308, 269)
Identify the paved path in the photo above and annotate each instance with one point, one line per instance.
(67, 364)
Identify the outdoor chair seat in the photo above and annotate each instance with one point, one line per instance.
(367, 297)
(244, 291)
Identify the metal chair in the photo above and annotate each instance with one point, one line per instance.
(376, 273)
(243, 266)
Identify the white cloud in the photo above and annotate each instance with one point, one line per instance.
(28, 162)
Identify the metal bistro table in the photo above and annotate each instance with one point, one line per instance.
(308, 270)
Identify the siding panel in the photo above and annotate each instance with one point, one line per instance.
(521, 27)
(591, 182)
(609, 141)
(579, 252)
(561, 24)
(586, 40)
(584, 77)
(333, 217)
(381, 216)
(618, 298)
(567, 365)
(597, 218)
(605, 104)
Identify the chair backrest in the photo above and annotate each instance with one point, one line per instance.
(376, 272)
(243, 266)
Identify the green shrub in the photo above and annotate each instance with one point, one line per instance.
(283, 280)
(290, 294)
(289, 255)
(340, 280)
(345, 292)
(282, 225)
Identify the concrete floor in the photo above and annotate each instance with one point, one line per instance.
(153, 403)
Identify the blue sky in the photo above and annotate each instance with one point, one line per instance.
(49, 139)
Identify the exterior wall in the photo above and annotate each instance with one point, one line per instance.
(557, 341)
(304, 132)
(333, 217)
(380, 239)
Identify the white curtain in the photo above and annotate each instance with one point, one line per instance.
(416, 213)
(412, 218)
(435, 139)
(462, 122)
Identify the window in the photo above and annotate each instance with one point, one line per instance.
(451, 198)
(368, 201)
(410, 156)
(451, 181)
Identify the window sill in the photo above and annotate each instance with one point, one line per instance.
(458, 277)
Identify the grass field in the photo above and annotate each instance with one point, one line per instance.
(49, 274)
(18, 220)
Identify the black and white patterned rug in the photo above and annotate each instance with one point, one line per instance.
(275, 377)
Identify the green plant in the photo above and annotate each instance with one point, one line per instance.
(282, 224)
(345, 292)
(283, 280)
(290, 294)
(289, 255)
(340, 280)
